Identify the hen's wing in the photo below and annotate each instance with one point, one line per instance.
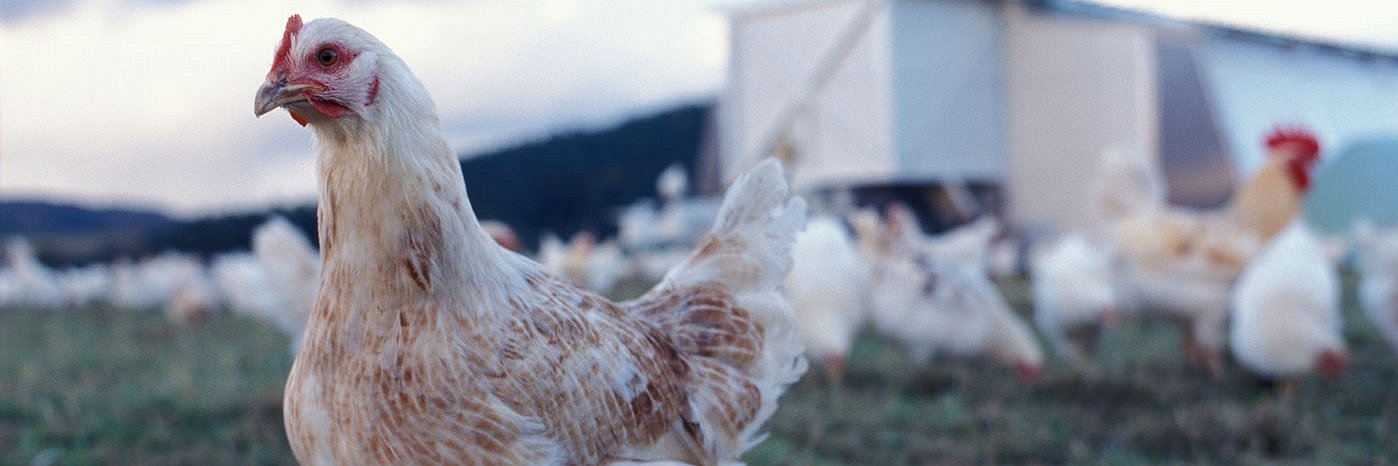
(601, 382)
(723, 309)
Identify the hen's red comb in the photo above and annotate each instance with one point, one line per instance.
(1304, 141)
(283, 57)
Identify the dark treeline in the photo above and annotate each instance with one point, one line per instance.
(578, 181)
(564, 184)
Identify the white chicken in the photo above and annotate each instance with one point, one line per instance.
(183, 285)
(155, 281)
(244, 286)
(1286, 310)
(584, 261)
(553, 255)
(431, 344)
(671, 184)
(655, 239)
(968, 246)
(828, 287)
(931, 307)
(9, 288)
(35, 283)
(1075, 294)
(1125, 183)
(86, 285)
(1378, 286)
(292, 267)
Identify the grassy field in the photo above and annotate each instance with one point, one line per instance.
(105, 386)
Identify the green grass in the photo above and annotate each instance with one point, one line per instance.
(105, 386)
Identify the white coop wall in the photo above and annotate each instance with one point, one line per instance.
(1077, 87)
(845, 133)
(807, 74)
(949, 87)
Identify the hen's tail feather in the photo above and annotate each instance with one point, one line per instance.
(757, 212)
(748, 253)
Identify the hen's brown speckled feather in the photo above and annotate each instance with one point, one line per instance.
(431, 344)
(565, 365)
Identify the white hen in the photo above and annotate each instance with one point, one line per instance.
(930, 308)
(35, 284)
(1378, 285)
(292, 267)
(1286, 309)
(244, 286)
(968, 246)
(177, 282)
(828, 287)
(1125, 183)
(84, 286)
(584, 261)
(1074, 285)
(431, 344)
(931, 305)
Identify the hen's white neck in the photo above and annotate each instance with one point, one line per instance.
(393, 208)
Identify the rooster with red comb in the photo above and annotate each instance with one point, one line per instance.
(1272, 198)
(1181, 264)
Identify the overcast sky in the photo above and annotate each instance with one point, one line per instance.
(150, 103)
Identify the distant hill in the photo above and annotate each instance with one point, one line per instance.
(577, 181)
(565, 183)
(40, 218)
(66, 234)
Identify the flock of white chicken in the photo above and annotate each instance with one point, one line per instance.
(275, 283)
(1269, 294)
(1249, 279)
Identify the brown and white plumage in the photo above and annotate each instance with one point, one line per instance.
(1182, 264)
(431, 344)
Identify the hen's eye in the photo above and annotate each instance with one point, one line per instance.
(328, 57)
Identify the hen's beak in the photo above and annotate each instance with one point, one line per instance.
(275, 93)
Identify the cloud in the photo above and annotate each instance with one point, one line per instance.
(15, 11)
(149, 102)
(147, 106)
(1361, 22)
(152, 105)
